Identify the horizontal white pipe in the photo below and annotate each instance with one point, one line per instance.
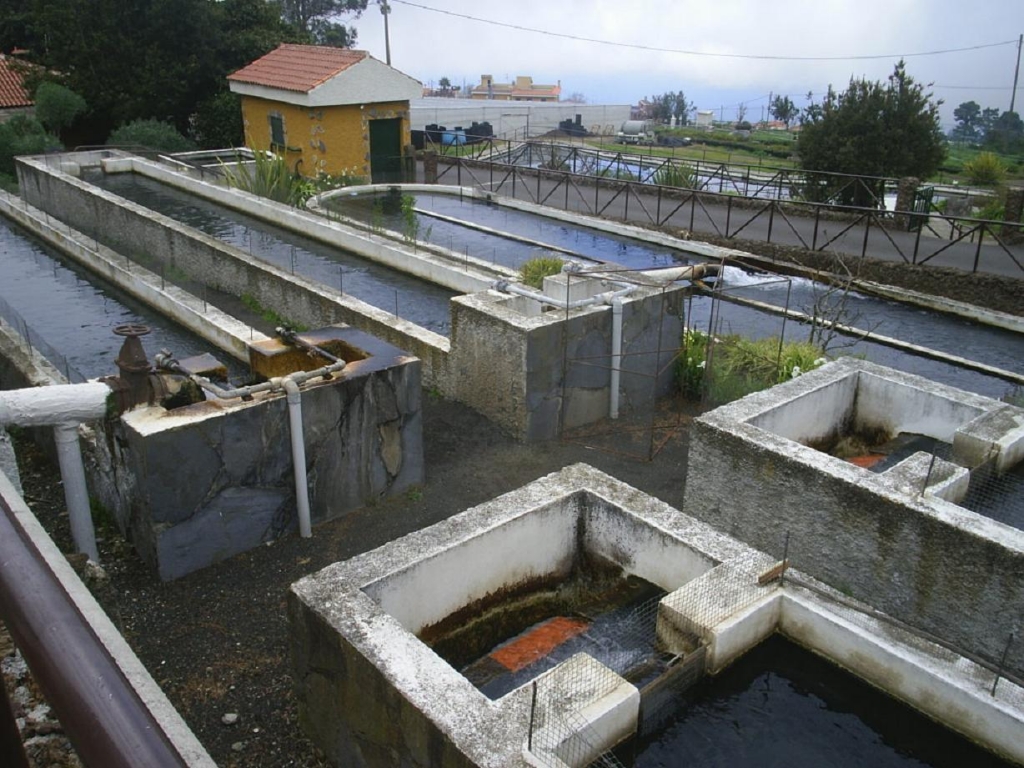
(671, 275)
(57, 404)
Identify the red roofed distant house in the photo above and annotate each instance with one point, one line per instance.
(14, 99)
(327, 110)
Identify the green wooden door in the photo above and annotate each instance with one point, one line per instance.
(386, 151)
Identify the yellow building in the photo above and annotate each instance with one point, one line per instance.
(327, 110)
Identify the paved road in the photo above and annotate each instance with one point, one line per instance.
(719, 218)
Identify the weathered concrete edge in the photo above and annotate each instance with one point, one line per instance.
(219, 328)
(174, 726)
(733, 419)
(424, 265)
(917, 672)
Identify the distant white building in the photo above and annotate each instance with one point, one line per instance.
(705, 118)
(516, 119)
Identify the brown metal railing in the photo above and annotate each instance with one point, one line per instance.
(101, 712)
(809, 225)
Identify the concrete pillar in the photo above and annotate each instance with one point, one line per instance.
(906, 190)
(430, 166)
(409, 164)
(1012, 215)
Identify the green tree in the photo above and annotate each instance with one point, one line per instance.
(152, 134)
(782, 108)
(1006, 134)
(872, 129)
(314, 20)
(23, 135)
(665, 106)
(57, 106)
(968, 121)
(218, 121)
(148, 58)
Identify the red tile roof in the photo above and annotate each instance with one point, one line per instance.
(297, 67)
(12, 90)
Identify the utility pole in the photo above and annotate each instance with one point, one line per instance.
(770, 95)
(385, 9)
(1016, 72)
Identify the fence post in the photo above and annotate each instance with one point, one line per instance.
(657, 216)
(1002, 663)
(771, 219)
(867, 231)
(728, 214)
(817, 219)
(977, 251)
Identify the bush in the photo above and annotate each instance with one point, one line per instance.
(739, 365)
(992, 208)
(152, 134)
(57, 106)
(986, 169)
(672, 175)
(219, 121)
(271, 178)
(23, 135)
(533, 272)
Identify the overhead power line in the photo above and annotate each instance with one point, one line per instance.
(709, 54)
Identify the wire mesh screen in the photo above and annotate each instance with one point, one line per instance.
(992, 486)
(33, 343)
(619, 392)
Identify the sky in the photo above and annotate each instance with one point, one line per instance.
(429, 45)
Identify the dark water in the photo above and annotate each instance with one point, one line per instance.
(583, 241)
(782, 706)
(935, 330)
(945, 333)
(71, 314)
(416, 300)
(733, 318)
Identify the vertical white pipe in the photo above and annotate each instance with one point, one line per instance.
(76, 494)
(613, 406)
(298, 455)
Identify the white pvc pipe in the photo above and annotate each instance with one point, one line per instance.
(76, 493)
(294, 396)
(63, 406)
(57, 404)
(613, 403)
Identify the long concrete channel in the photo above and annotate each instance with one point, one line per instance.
(944, 340)
(467, 271)
(68, 313)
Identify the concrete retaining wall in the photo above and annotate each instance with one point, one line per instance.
(537, 375)
(154, 239)
(201, 483)
(916, 557)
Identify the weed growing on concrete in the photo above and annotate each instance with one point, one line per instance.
(533, 272)
(269, 315)
(673, 175)
(410, 220)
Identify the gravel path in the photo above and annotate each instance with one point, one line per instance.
(216, 640)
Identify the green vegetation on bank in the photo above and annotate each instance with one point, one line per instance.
(735, 366)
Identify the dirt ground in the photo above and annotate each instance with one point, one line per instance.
(216, 641)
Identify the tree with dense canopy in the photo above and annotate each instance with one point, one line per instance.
(161, 59)
(783, 108)
(665, 106)
(872, 129)
(315, 19)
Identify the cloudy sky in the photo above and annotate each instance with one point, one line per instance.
(828, 35)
